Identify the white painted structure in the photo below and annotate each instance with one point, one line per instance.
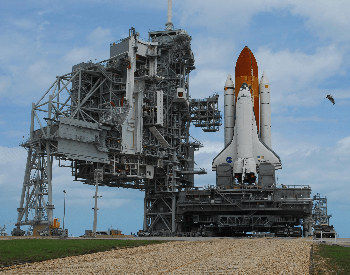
(229, 109)
(246, 151)
(265, 110)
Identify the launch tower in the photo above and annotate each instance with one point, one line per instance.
(128, 115)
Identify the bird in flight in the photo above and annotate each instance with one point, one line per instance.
(330, 98)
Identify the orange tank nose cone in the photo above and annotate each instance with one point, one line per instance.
(246, 64)
(247, 71)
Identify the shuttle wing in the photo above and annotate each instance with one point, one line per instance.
(227, 155)
(262, 153)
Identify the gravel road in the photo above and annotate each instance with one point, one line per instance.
(219, 256)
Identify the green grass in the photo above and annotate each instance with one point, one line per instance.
(34, 250)
(329, 259)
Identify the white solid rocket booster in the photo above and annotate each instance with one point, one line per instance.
(229, 109)
(265, 110)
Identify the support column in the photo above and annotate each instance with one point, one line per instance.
(27, 172)
(310, 229)
(173, 212)
(50, 206)
(307, 227)
(37, 217)
(145, 213)
(98, 177)
(64, 208)
(95, 209)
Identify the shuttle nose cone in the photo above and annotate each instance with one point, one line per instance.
(244, 91)
(244, 86)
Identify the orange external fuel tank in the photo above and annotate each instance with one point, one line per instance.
(247, 72)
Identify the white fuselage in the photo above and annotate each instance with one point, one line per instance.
(244, 163)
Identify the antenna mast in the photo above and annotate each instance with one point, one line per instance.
(169, 25)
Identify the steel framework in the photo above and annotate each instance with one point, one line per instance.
(129, 116)
(319, 210)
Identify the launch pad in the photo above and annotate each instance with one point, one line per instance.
(128, 117)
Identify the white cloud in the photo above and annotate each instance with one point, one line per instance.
(206, 82)
(343, 148)
(298, 119)
(100, 36)
(209, 51)
(134, 4)
(79, 194)
(5, 83)
(42, 12)
(15, 47)
(2, 180)
(320, 167)
(41, 75)
(24, 23)
(112, 202)
(285, 147)
(77, 55)
(295, 76)
(325, 18)
(298, 68)
(11, 157)
(12, 165)
(42, 25)
(28, 70)
(210, 147)
(203, 158)
(224, 14)
(31, 67)
(340, 94)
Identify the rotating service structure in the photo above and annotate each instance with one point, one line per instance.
(128, 115)
(125, 122)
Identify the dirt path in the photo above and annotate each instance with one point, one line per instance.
(219, 256)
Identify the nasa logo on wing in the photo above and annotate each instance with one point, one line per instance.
(228, 159)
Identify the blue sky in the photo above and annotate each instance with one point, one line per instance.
(303, 46)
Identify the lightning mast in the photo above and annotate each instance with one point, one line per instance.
(169, 25)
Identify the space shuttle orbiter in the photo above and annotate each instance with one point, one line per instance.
(246, 147)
